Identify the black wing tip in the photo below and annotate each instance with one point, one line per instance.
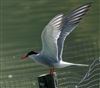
(71, 17)
(89, 4)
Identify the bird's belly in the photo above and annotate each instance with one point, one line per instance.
(44, 60)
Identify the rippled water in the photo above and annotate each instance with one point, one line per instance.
(22, 22)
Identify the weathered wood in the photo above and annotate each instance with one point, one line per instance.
(48, 81)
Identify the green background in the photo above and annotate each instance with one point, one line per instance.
(22, 22)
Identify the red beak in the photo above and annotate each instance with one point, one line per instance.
(24, 57)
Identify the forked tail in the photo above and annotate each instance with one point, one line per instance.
(65, 64)
(80, 64)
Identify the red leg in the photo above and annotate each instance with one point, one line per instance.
(52, 71)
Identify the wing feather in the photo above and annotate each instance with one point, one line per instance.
(50, 35)
(54, 34)
(70, 22)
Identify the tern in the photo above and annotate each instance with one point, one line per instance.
(53, 38)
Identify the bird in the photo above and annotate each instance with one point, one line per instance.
(53, 37)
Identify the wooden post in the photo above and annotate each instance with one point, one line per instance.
(48, 81)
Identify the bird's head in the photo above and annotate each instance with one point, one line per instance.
(29, 54)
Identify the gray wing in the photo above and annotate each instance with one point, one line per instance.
(50, 36)
(70, 22)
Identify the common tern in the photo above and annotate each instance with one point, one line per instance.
(53, 37)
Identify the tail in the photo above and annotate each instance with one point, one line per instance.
(63, 64)
(79, 64)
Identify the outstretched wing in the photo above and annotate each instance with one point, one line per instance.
(54, 34)
(70, 22)
(50, 36)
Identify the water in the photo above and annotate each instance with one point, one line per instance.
(22, 22)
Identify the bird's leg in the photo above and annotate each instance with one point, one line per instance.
(52, 70)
